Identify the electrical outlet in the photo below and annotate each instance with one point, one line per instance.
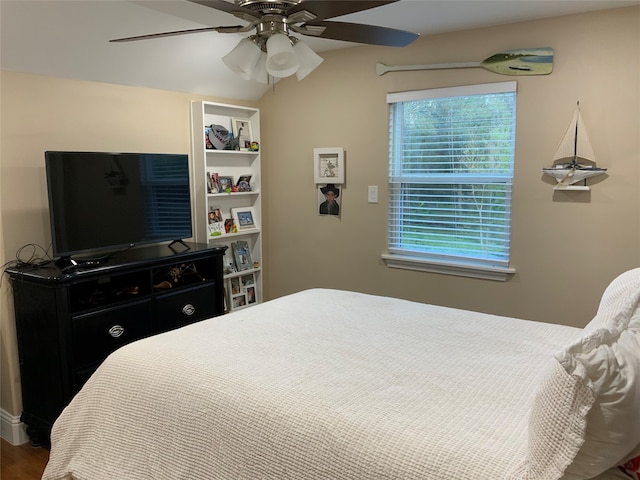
(372, 194)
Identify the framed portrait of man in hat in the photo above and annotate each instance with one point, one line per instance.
(328, 200)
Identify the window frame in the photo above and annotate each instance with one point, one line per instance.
(436, 262)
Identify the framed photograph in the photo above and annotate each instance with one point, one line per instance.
(251, 295)
(244, 218)
(329, 200)
(239, 301)
(328, 165)
(242, 131)
(244, 183)
(247, 280)
(215, 224)
(225, 184)
(242, 255)
(241, 292)
(213, 182)
(235, 286)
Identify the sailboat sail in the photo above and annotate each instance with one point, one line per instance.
(575, 143)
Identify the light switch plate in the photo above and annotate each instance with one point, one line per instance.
(372, 194)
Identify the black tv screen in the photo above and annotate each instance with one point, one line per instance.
(106, 201)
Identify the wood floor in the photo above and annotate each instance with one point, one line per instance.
(23, 462)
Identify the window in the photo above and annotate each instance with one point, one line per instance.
(450, 179)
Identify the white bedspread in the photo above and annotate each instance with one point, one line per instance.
(322, 384)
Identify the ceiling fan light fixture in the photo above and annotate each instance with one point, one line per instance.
(243, 58)
(281, 59)
(309, 60)
(260, 73)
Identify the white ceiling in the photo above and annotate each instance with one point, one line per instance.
(70, 39)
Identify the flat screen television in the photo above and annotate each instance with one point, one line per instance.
(102, 201)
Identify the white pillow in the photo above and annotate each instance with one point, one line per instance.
(616, 297)
(586, 415)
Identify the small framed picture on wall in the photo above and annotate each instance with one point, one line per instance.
(328, 165)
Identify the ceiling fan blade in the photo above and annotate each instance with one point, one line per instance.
(227, 7)
(369, 34)
(233, 29)
(323, 9)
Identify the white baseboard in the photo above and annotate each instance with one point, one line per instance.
(12, 429)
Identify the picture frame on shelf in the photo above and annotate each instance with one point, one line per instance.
(244, 218)
(235, 285)
(239, 301)
(328, 165)
(226, 184)
(213, 182)
(242, 132)
(242, 255)
(251, 295)
(229, 226)
(242, 290)
(244, 183)
(215, 215)
(215, 223)
(247, 280)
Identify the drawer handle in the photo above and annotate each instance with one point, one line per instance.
(116, 331)
(188, 309)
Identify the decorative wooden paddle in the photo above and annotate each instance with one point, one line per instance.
(521, 61)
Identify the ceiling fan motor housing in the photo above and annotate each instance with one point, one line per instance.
(280, 6)
(271, 24)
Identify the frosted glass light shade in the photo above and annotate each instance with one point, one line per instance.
(309, 60)
(243, 58)
(281, 59)
(260, 73)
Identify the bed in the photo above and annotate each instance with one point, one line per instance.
(329, 384)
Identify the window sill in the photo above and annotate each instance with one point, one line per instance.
(501, 274)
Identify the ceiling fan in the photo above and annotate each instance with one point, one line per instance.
(272, 51)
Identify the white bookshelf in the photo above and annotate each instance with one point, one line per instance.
(243, 288)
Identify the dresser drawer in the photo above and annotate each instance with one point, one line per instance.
(96, 335)
(177, 309)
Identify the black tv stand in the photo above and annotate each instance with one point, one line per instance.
(68, 321)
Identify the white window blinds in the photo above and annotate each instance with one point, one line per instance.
(450, 173)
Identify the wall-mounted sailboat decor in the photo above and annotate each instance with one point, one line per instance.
(574, 160)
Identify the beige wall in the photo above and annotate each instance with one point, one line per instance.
(565, 246)
(42, 113)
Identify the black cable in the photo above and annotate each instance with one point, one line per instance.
(33, 260)
(29, 260)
